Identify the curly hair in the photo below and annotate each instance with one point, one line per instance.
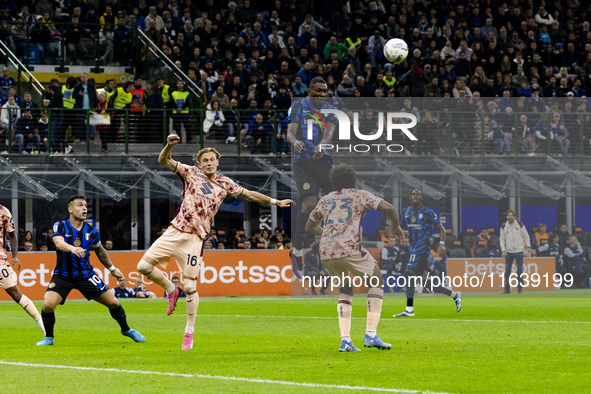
(343, 176)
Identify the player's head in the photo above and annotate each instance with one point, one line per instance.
(77, 207)
(493, 241)
(122, 282)
(510, 215)
(175, 280)
(343, 176)
(416, 196)
(554, 237)
(392, 242)
(208, 160)
(317, 90)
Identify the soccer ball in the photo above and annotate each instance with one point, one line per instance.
(396, 50)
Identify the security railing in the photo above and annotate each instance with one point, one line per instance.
(440, 132)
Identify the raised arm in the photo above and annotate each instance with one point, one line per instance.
(263, 199)
(165, 158)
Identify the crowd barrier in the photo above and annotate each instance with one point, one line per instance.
(227, 273)
(265, 273)
(488, 274)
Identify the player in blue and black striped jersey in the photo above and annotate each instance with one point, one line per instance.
(311, 165)
(73, 239)
(419, 221)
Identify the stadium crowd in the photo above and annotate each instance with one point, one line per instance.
(255, 56)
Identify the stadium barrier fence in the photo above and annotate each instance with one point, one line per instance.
(442, 130)
(265, 273)
(222, 273)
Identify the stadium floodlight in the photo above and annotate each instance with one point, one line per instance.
(153, 176)
(29, 182)
(92, 179)
(576, 176)
(469, 180)
(527, 180)
(410, 180)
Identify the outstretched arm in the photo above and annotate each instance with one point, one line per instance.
(103, 257)
(165, 158)
(262, 199)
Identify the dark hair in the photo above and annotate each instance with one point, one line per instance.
(553, 235)
(316, 80)
(510, 211)
(416, 188)
(71, 82)
(285, 241)
(343, 176)
(77, 197)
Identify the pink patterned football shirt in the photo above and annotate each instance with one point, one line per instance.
(202, 198)
(6, 227)
(342, 213)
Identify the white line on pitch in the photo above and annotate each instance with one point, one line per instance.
(217, 377)
(407, 319)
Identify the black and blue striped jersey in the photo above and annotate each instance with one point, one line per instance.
(68, 265)
(303, 111)
(420, 225)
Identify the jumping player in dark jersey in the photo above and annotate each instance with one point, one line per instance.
(73, 239)
(419, 221)
(311, 165)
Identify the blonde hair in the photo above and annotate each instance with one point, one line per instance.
(208, 150)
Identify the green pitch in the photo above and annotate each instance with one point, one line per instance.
(535, 342)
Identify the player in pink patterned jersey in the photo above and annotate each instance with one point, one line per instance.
(341, 251)
(344, 210)
(204, 191)
(7, 275)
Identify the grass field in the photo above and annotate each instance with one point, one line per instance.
(536, 342)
